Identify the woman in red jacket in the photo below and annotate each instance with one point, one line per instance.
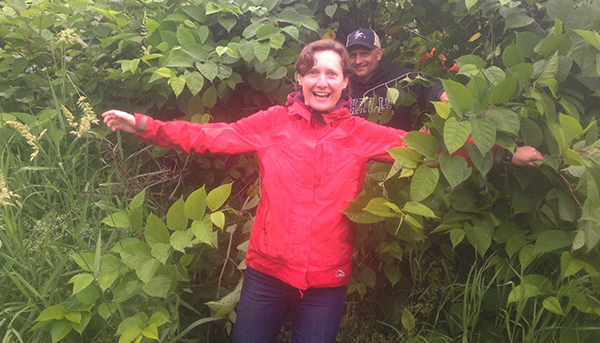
(313, 156)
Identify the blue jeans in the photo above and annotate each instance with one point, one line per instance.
(265, 302)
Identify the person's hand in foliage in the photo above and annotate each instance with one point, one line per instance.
(119, 120)
(526, 156)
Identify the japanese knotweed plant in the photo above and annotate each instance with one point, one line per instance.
(134, 285)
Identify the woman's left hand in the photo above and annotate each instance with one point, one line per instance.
(526, 156)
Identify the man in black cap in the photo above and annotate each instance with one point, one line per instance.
(374, 74)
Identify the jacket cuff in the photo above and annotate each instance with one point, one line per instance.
(141, 124)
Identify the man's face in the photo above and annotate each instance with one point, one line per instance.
(365, 61)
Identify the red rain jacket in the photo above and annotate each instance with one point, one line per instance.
(309, 172)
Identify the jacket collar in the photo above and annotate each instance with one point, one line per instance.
(295, 101)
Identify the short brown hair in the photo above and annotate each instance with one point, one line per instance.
(307, 57)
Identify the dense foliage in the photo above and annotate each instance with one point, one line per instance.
(145, 238)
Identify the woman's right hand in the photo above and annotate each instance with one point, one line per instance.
(119, 120)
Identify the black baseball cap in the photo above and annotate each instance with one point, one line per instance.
(365, 37)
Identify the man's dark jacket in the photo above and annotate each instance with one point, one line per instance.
(376, 86)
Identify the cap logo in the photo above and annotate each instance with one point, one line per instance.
(359, 34)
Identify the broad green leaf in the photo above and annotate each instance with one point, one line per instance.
(181, 239)
(227, 23)
(310, 24)
(392, 272)
(194, 82)
(551, 240)
(570, 127)
(74, 317)
(177, 84)
(570, 265)
(504, 120)
(456, 134)
(330, 10)
(494, 75)
(419, 209)
(146, 269)
(456, 236)
(553, 305)
(424, 143)
(522, 73)
(423, 182)
(221, 50)
(454, 168)
(55, 312)
(483, 163)
(442, 109)
(522, 292)
(160, 286)
(356, 213)
(135, 254)
(60, 330)
(184, 36)
(475, 60)
(106, 279)
(377, 207)
(460, 98)
(81, 281)
(130, 334)
(515, 243)
(261, 51)
(197, 52)
(161, 73)
(516, 19)
(470, 3)
(368, 277)
(292, 31)
(195, 205)
(567, 209)
(246, 50)
(407, 157)
(158, 318)
(162, 252)
(117, 219)
(408, 320)
(392, 95)
(85, 320)
(179, 62)
(483, 132)
(511, 56)
(136, 211)
(210, 70)
(503, 91)
(151, 332)
(218, 218)
(85, 261)
(202, 229)
(591, 37)
(532, 133)
(156, 231)
(176, 217)
(266, 31)
(140, 319)
(217, 197)
(479, 237)
(209, 98)
(126, 289)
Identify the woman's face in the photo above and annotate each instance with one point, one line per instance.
(323, 84)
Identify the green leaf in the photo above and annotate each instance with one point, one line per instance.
(74, 317)
(246, 50)
(266, 31)
(570, 127)
(210, 70)
(217, 197)
(158, 318)
(454, 168)
(55, 312)
(261, 51)
(378, 207)
(202, 229)
(60, 329)
(85, 261)
(456, 236)
(160, 286)
(483, 132)
(424, 143)
(442, 109)
(156, 231)
(227, 23)
(135, 254)
(136, 211)
(160, 73)
(515, 243)
(460, 98)
(419, 209)
(176, 217)
(591, 37)
(197, 52)
(117, 219)
(106, 279)
(392, 95)
(177, 84)
(151, 332)
(393, 273)
(475, 60)
(184, 36)
(456, 134)
(570, 265)
(310, 24)
(504, 120)
(511, 56)
(522, 292)
(130, 334)
(408, 320)
(553, 305)
(503, 91)
(479, 237)
(209, 98)
(218, 218)
(179, 62)
(181, 239)
(330, 10)
(551, 240)
(423, 182)
(292, 31)
(81, 281)
(407, 157)
(195, 205)
(194, 82)
(147, 269)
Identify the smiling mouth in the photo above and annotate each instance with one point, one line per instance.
(321, 95)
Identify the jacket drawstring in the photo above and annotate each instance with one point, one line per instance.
(301, 294)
